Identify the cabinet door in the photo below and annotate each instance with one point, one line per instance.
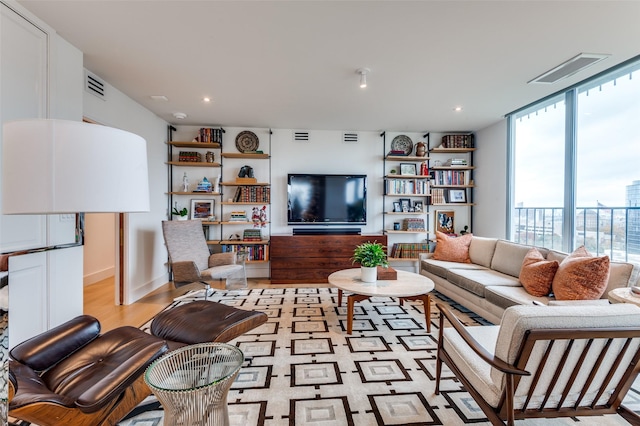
(23, 94)
(28, 294)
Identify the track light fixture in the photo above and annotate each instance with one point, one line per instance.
(363, 76)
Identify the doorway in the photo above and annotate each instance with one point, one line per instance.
(103, 252)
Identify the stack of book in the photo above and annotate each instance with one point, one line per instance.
(238, 216)
(457, 141)
(204, 186)
(396, 152)
(250, 252)
(408, 250)
(456, 162)
(413, 224)
(208, 135)
(252, 235)
(189, 156)
(437, 196)
(252, 194)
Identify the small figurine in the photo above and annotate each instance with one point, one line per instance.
(255, 217)
(245, 171)
(465, 230)
(263, 216)
(185, 183)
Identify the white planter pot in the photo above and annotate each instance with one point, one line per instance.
(368, 275)
(183, 217)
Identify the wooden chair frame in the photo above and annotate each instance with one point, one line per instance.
(514, 373)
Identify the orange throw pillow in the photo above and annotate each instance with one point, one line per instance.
(581, 276)
(536, 274)
(452, 249)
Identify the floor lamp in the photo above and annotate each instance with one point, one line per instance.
(59, 167)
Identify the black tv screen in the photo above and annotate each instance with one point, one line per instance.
(315, 199)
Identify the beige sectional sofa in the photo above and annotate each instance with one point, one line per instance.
(489, 284)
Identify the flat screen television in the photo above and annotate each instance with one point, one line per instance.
(323, 199)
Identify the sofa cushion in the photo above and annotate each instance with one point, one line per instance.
(476, 280)
(581, 276)
(441, 267)
(518, 319)
(481, 250)
(537, 273)
(508, 257)
(506, 296)
(452, 249)
(556, 255)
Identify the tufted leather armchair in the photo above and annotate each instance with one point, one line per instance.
(73, 375)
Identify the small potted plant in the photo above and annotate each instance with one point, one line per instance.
(182, 214)
(370, 255)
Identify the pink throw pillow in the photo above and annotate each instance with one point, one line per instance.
(452, 249)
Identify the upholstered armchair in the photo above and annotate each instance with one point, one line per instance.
(545, 361)
(190, 258)
(73, 375)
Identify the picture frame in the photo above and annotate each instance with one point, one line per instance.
(418, 206)
(445, 221)
(457, 196)
(408, 169)
(397, 208)
(405, 205)
(201, 209)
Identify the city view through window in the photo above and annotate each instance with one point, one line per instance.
(605, 180)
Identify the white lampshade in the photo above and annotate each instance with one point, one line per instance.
(59, 166)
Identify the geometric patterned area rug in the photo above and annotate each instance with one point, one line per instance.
(303, 369)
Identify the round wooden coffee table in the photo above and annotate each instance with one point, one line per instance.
(408, 286)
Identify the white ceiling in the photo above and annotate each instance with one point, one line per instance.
(291, 64)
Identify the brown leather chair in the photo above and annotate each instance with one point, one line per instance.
(73, 375)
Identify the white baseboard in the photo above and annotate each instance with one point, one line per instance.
(98, 276)
(141, 291)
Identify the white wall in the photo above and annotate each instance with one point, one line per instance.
(146, 255)
(99, 247)
(490, 196)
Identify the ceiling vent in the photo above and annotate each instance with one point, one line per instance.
(94, 85)
(349, 137)
(300, 136)
(569, 68)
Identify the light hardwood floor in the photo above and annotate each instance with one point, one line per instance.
(99, 301)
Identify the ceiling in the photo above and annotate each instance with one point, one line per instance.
(292, 64)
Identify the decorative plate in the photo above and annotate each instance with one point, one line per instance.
(402, 143)
(247, 141)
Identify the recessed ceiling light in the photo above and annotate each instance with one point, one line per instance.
(206, 99)
(457, 109)
(159, 98)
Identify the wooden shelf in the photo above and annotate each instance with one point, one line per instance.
(393, 231)
(452, 167)
(245, 184)
(452, 186)
(403, 259)
(193, 164)
(406, 213)
(193, 193)
(451, 150)
(452, 204)
(229, 203)
(249, 222)
(407, 177)
(407, 195)
(206, 222)
(191, 144)
(242, 155)
(406, 158)
(242, 242)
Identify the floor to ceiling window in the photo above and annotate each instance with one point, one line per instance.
(583, 187)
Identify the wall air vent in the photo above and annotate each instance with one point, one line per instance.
(349, 137)
(300, 136)
(569, 68)
(94, 85)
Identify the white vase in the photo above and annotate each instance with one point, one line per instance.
(368, 274)
(183, 217)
